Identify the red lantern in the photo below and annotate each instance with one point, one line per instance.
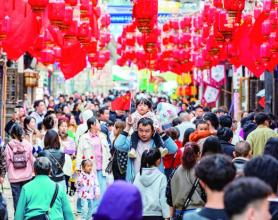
(67, 18)
(71, 2)
(47, 57)
(234, 7)
(84, 33)
(145, 14)
(4, 27)
(72, 32)
(38, 6)
(56, 12)
(85, 9)
(265, 52)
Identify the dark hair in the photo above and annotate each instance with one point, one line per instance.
(17, 132)
(216, 171)
(186, 135)
(144, 101)
(176, 121)
(242, 192)
(102, 110)
(211, 146)
(209, 116)
(62, 120)
(190, 155)
(49, 112)
(198, 106)
(51, 140)
(199, 122)
(110, 123)
(91, 121)
(84, 162)
(145, 121)
(225, 121)
(27, 121)
(225, 134)
(173, 132)
(149, 158)
(40, 126)
(37, 103)
(48, 122)
(265, 168)
(261, 117)
(75, 108)
(271, 147)
(242, 149)
(42, 166)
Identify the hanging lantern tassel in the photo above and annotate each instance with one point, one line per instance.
(38, 24)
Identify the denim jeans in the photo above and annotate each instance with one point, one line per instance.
(86, 209)
(102, 186)
(16, 189)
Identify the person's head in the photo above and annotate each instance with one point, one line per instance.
(199, 111)
(66, 109)
(72, 120)
(173, 132)
(184, 116)
(17, 132)
(265, 168)
(246, 198)
(29, 123)
(51, 140)
(176, 121)
(42, 166)
(211, 146)
(39, 106)
(143, 105)
(104, 114)
(93, 125)
(225, 134)
(110, 125)
(63, 127)
(234, 125)
(202, 125)
(219, 112)
(211, 119)
(48, 122)
(225, 121)
(150, 158)
(87, 166)
(123, 197)
(119, 126)
(21, 111)
(186, 135)
(62, 99)
(191, 155)
(271, 147)
(215, 172)
(243, 149)
(262, 119)
(145, 129)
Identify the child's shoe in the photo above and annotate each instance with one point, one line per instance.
(163, 151)
(132, 153)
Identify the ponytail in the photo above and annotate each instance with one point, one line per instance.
(149, 158)
(190, 155)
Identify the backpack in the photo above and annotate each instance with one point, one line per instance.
(19, 159)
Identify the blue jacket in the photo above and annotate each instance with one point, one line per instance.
(123, 143)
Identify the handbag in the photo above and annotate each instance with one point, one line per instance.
(188, 200)
(45, 216)
(110, 164)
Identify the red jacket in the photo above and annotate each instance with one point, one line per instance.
(173, 160)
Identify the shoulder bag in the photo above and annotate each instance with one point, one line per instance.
(188, 200)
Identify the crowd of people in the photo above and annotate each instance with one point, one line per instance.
(203, 164)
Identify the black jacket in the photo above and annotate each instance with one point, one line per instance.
(57, 159)
(227, 148)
